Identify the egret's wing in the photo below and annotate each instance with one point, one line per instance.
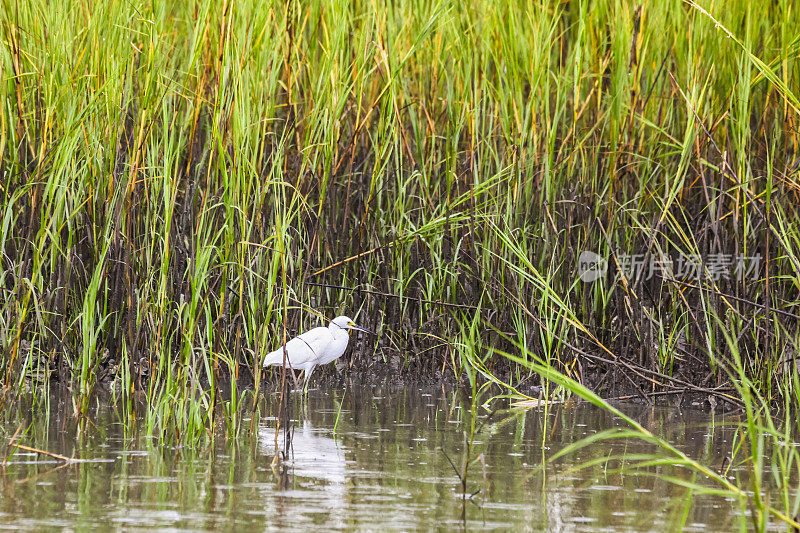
(316, 340)
(305, 348)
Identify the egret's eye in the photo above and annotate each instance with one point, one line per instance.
(350, 324)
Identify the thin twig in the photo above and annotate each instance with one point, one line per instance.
(44, 452)
(10, 444)
(390, 295)
(730, 296)
(654, 393)
(353, 258)
(452, 464)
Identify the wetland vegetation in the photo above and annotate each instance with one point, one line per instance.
(587, 199)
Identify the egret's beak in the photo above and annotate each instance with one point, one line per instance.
(359, 328)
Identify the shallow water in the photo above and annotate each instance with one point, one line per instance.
(386, 464)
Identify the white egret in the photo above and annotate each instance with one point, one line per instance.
(318, 346)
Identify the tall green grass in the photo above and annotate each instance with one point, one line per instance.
(179, 179)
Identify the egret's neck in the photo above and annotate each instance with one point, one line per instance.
(337, 330)
(341, 337)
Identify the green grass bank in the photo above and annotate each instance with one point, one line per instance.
(182, 183)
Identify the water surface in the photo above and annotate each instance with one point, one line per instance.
(387, 463)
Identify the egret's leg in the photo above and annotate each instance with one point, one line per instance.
(291, 373)
(288, 364)
(307, 378)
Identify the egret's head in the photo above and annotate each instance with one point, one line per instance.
(345, 323)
